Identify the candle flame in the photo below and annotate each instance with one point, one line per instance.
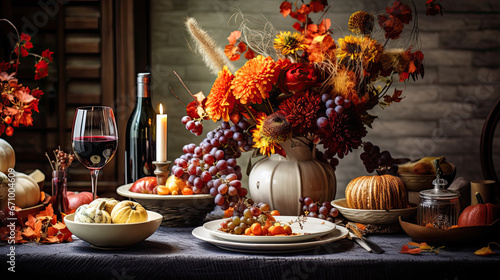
(161, 109)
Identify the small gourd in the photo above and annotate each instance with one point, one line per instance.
(7, 156)
(90, 214)
(479, 214)
(110, 203)
(128, 212)
(27, 191)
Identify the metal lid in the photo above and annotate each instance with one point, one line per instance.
(143, 78)
(439, 191)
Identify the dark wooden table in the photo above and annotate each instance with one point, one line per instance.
(173, 253)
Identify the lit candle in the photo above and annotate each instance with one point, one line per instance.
(161, 136)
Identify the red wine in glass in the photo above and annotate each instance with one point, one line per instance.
(95, 139)
(95, 151)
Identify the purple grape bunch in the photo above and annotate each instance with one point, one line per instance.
(211, 166)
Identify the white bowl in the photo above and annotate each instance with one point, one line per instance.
(177, 210)
(365, 216)
(114, 235)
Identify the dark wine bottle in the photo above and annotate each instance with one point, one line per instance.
(140, 147)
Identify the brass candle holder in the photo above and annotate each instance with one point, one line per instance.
(162, 171)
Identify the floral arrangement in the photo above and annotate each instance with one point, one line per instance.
(19, 101)
(298, 84)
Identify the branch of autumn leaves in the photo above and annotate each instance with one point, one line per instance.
(18, 101)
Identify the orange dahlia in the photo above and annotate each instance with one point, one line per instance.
(254, 80)
(220, 101)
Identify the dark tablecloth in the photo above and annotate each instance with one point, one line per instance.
(173, 253)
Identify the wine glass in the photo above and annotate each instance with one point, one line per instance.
(95, 139)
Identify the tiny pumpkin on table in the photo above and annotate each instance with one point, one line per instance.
(110, 203)
(93, 214)
(479, 214)
(128, 212)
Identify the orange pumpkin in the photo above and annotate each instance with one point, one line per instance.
(377, 192)
(77, 199)
(479, 214)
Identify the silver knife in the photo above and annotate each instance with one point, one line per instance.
(365, 243)
(360, 242)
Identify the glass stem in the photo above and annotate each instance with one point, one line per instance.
(93, 178)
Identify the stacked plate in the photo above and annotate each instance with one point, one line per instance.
(314, 232)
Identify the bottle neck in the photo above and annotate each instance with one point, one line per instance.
(143, 90)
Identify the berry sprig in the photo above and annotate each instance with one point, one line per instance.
(62, 160)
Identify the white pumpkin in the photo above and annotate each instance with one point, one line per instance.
(7, 156)
(4, 191)
(90, 214)
(27, 191)
(110, 203)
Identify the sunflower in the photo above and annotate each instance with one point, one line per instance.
(289, 43)
(254, 80)
(220, 101)
(269, 132)
(360, 49)
(301, 111)
(361, 23)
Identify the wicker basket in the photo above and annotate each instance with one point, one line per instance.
(177, 210)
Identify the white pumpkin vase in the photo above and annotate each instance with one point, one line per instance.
(281, 181)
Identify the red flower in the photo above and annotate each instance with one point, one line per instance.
(42, 69)
(342, 134)
(24, 45)
(393, 23)
(400, 11)
(47, 54)
(298, 77)
(4, 66)
(392, 26)
(433, 8)
(301, 111)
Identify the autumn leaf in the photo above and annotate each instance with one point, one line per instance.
(31, 221)
(233, 37)
(285, 8)
(407, 250)
(420, 247)
(486, 250)
(28, 233)
(231, 52)
(51, 239)
(195, 108)
(396, 97)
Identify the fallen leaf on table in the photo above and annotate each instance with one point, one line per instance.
(486, 250)
(41, 228)
(420, 247)
(407, 250)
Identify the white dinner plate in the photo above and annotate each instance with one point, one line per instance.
(270, 248)
(312, 228)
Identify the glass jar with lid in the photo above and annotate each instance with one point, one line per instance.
(439, 207)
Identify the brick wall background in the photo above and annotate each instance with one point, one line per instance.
(442, 114)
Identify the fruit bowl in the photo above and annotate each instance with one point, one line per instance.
(177, 210)
(462, 235)
(366, 216)
(416, 183)
(114, 235)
